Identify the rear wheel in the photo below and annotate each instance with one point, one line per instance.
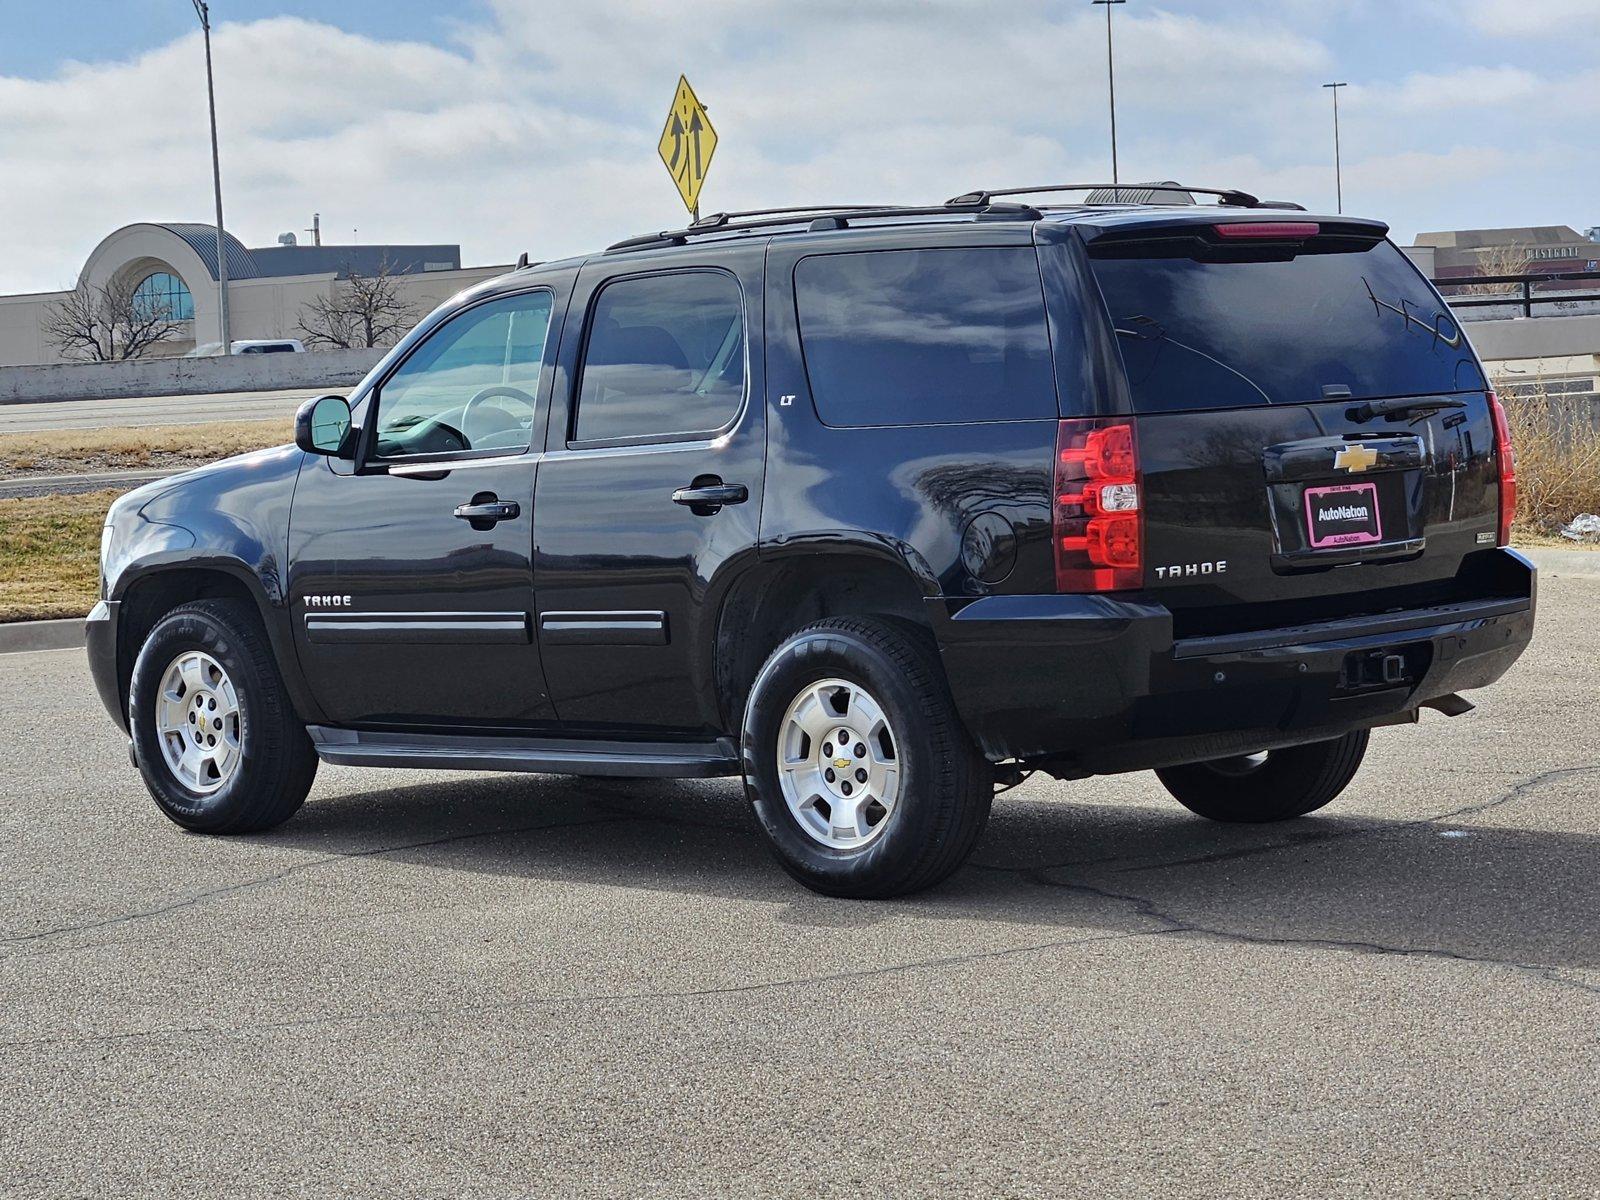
(1275, 785)
(214, 735)
(859, 769)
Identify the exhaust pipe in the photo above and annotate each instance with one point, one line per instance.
(1453, 705)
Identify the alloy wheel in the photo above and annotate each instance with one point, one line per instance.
(198, 722)
(838, 764)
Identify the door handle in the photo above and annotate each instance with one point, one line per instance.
(485, 510)
(708, 493)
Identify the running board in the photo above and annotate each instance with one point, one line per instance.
(556, 756)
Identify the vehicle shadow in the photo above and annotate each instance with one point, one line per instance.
(1497, 894)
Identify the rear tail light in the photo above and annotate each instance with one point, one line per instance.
(1506, 455)
(1098, 510)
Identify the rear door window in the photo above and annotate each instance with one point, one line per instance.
(665, 358)
(1233, 334)
(909, 337)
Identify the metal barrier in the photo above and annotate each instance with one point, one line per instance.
(1523, 297)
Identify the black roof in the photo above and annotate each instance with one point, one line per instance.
(365, 260)
(276, 262)
(202, 239)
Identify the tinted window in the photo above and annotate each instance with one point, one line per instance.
(665, 358)
(163, 295)
(471, 384)
(1232, 334)
(908, 337)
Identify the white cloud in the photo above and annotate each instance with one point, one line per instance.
(537, 128)
(1443, 94)
(1534, 18)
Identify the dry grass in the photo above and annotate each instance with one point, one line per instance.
(55, 451)
(1558, 462)
(50, 555)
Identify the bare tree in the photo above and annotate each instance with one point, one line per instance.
(108, 324)
(365, 310)
(1511, 259)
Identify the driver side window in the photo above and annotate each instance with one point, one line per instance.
(471, 385)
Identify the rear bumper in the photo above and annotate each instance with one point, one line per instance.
(1099, 685)
(100, 636)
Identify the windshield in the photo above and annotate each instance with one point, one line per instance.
(1231, 334)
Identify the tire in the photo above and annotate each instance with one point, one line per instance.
(213, 654)
(1278, 785)
(919, 832)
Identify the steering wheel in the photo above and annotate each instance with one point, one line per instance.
(493, 393)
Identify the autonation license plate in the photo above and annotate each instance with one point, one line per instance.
(1344, 514)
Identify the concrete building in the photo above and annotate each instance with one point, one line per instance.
(1546, 249)
(175, 264)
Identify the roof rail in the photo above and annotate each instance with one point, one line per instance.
(1229, 196)
(827, 216)
(717, 221)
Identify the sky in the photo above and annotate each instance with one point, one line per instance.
(512, 125)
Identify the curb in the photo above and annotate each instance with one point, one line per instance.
(17, 637)
(1558, 563)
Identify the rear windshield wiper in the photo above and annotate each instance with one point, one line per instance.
(1402, 407)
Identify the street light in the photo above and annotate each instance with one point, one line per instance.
(1111, 84)
(203, 11)
(1338, 167)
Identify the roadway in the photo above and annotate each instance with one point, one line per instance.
(151, 410)
(431, 984)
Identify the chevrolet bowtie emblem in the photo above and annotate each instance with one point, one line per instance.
(1355, 458)
(841, 763)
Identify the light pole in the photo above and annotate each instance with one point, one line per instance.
(1338, 167)
(203, 11)
(1111, 85)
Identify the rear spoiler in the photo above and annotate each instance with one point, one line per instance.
(1253, 237)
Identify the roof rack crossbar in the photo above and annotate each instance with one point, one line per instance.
(842, 213)
(1229, 196)
(717, 220)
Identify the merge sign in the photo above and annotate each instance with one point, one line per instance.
(687, 144)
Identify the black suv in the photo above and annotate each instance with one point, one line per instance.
(879, 509)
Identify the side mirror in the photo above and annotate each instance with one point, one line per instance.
(322, 426)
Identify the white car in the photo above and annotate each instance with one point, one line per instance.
(250, 346)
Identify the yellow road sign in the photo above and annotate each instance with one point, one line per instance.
(687, 144)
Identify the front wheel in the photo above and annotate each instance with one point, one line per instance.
(214, 735)
(1275, 785)
(859, 770)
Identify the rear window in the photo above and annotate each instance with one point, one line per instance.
(1231, 334)
(915, 337)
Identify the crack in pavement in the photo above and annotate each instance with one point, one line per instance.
(393, 1014)
(245, 885)
(1516, 792)
(1146, 907)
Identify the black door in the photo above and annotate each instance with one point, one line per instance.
(650, 490)
(412, 574)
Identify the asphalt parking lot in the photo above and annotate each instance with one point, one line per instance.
(431, 985)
